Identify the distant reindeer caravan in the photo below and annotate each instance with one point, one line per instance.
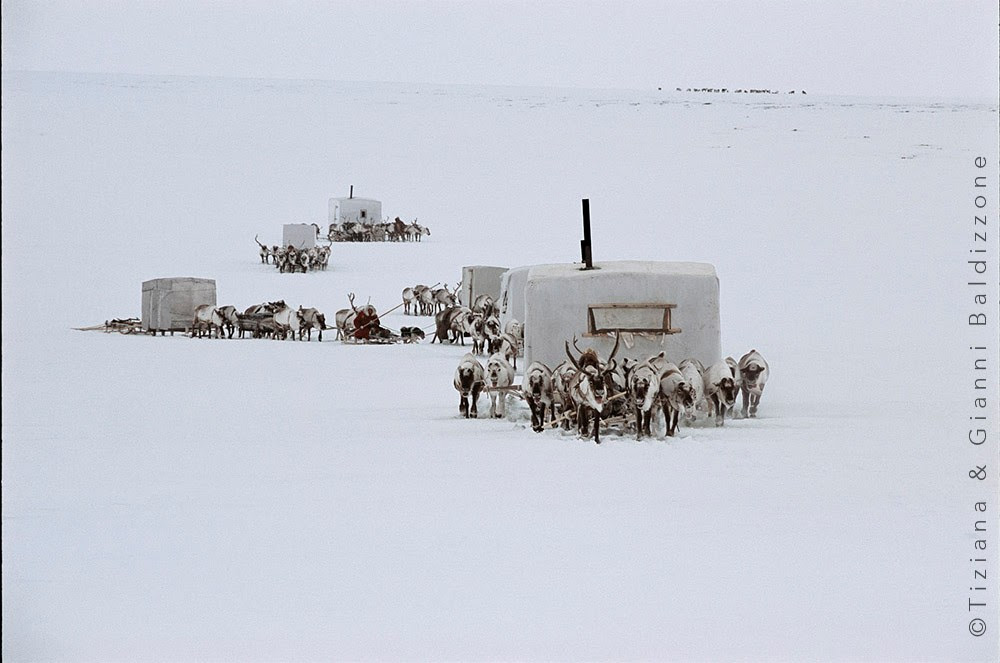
(386, 231)
(291, 259)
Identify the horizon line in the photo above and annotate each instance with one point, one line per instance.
(798, 91)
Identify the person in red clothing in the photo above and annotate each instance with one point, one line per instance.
(366, 323)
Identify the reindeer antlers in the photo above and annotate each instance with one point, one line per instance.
(570, 354)
(609, 364)
(618, 341)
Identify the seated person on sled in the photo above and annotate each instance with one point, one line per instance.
(366, 323)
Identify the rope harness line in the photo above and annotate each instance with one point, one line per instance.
(565, 416)
(378, 315)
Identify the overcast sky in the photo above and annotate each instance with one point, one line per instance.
(869, 47)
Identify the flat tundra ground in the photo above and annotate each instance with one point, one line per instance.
(170, 498)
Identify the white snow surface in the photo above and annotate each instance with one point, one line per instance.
(176, 499)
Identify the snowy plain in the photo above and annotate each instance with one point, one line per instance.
(179, 499)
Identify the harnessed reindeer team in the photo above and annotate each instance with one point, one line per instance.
(275, 320)
(294, 259)
(587, 392)
(291, 259)
(396, 230)
(584, 391)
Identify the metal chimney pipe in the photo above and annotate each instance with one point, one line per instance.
(585, 246)
(352, 191)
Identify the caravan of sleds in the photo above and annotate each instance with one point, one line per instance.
(362, 324)
(585, 391)
(295, 259)
(278, 320)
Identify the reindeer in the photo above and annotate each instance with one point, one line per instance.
(615, 384)
(452, 324)
(753, 376)
(408, 299)
(537, 389)
(288, 322)
(484, 304)
(643, 384)
(499, 374)
(323, 258)
(589, 387)
(311, 318)
(478, 337)
(721, 389)
(508, 348)
(515, 329)
(562, 376)
(266, 307)
(353, 231)
(694, 373)
(734, 368)
(676, 395)
(344, 320)
(491, 331)
(427, 303)
(617, 403)
(443, 298)
(468, 381)
(230, 319)
(265, 327)
(305, 260)
(414, 231)
(281, 258)
(206, 319)
(265, 252)
(419, 305)
(291, 259)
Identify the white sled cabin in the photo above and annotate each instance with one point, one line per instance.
(669, 306)
(355, 210)
(480, 280)
(299, 235)
(168, 304)
(511, 303)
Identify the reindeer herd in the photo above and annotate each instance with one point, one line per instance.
(428, 300)
(387, 231)
(586, 391)
(291, 259)
(454, 322)
(274, 320)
